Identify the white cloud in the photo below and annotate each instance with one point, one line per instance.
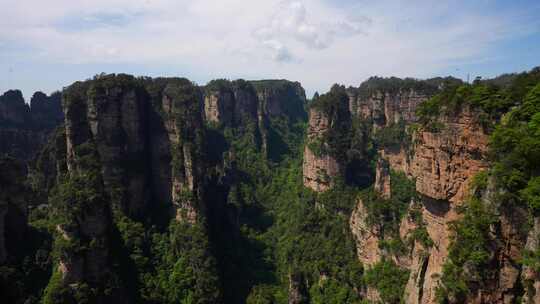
(314, 41)
(291, 21)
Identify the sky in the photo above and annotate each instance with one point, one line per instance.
(47, 45)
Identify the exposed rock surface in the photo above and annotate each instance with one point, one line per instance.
(319, 170)
(367, 236)
(443, 162)
(91, 220)
(253, 104)
(149, 139)
(385, 108)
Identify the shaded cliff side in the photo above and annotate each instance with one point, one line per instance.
(24, 128)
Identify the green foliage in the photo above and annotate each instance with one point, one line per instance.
(470, 247)
(266, 294)
(185, 270)
(387, 214)
(314, 239)
(57, 292)
(490, 98)
(394, 85)
(330, 291)
(335, 106)
(480, 180)
(388, 279)
(393, 137)
(531, 194)
(515, 149)
(420, 233)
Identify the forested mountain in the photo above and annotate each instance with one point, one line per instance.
(157, 190)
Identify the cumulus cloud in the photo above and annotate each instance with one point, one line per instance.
(291, 21)
(317, 42)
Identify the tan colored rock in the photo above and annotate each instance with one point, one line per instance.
(427, 263)
(318, 171)
(442, 165)
(367, 237)
(444, 162)
(386, 108)
(218, 107)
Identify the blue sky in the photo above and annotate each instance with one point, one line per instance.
(46, 45)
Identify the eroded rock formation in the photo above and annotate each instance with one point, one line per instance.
(319, 170)
(24, 129)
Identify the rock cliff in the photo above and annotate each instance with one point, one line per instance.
(328, 145)
(24, 129)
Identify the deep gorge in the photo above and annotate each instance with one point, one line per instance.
(124, 189)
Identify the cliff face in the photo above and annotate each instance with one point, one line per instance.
(319, 170)
(386, 107)
(280, 98)
(86, 218)
(254, 106)
(330, 148)
(442, 164)
(127, 143)
(24, 129)
(149, 139)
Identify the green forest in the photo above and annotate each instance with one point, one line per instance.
(265, 238)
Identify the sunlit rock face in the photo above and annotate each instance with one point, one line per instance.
(318, 170)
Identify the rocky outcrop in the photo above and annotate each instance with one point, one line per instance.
(184, 123)
(14, 198)
(149, 137)
(117, 121)
(367, 236)
(24, 129)
(230, 103)
(253, 106)
(385, 101)
(281, 98)
(13, 110)
(427, 263)
(329, 148)
(442, 164)
(89, 223)
(218, 106)
(320, 168)
(384, 108)
(46, 111)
